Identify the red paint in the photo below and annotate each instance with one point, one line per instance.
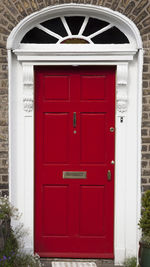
(74, 217)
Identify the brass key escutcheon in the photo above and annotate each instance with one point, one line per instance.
(109, 175)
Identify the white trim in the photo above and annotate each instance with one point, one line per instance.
(75, 36)
(121, 86)
(21, 129)
(139, 119)
(28, 89)
(9, 116)
(116, 18)
(79, 52)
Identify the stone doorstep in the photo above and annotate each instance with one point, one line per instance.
(99, 262)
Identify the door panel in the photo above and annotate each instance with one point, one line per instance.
(97, 83)
(93, 143)
(57, 92)
(56, 137)
(74, 110)
(92, 210)
(55, 215)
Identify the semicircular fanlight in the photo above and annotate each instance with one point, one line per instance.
(75, 30)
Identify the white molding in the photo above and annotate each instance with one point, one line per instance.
(27, 76)
(75, 36)
(28, 104)
(122, 85)
(28, 88)
(139, 107)
(116, 18)
(98, 48)
(91, 53)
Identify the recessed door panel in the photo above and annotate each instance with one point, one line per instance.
(93, 87)
(93, 138)
(56, 137)
(92, 210)
(55, 215)
(56, 87)
(74, 147)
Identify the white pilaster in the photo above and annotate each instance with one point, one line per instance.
(28, 103)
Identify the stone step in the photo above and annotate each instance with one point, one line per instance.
(47, 262)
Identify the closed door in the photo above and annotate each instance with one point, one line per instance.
(74, 154)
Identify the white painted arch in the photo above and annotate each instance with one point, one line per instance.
(106, 14)
(128, 61)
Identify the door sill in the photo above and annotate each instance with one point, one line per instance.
(81, 256)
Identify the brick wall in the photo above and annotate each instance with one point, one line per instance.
(13, 11)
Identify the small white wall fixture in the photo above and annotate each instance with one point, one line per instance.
(128, 61)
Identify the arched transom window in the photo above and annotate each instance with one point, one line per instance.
(75, 30)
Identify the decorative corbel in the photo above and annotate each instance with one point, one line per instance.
(28, 104)
(122, 89)
(28, 89)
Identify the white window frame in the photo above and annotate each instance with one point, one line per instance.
(128, 60)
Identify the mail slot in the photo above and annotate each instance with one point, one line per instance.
(74, 175)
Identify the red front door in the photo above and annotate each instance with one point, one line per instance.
(74, 147)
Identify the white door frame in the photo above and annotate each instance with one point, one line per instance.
(128, 62)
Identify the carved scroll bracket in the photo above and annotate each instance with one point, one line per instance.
(28, 89)
(122, 89)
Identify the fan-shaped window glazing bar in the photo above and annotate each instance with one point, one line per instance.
(48, 31)
(66, 26)
(83, 25)
(101, 31)
(75, 28)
